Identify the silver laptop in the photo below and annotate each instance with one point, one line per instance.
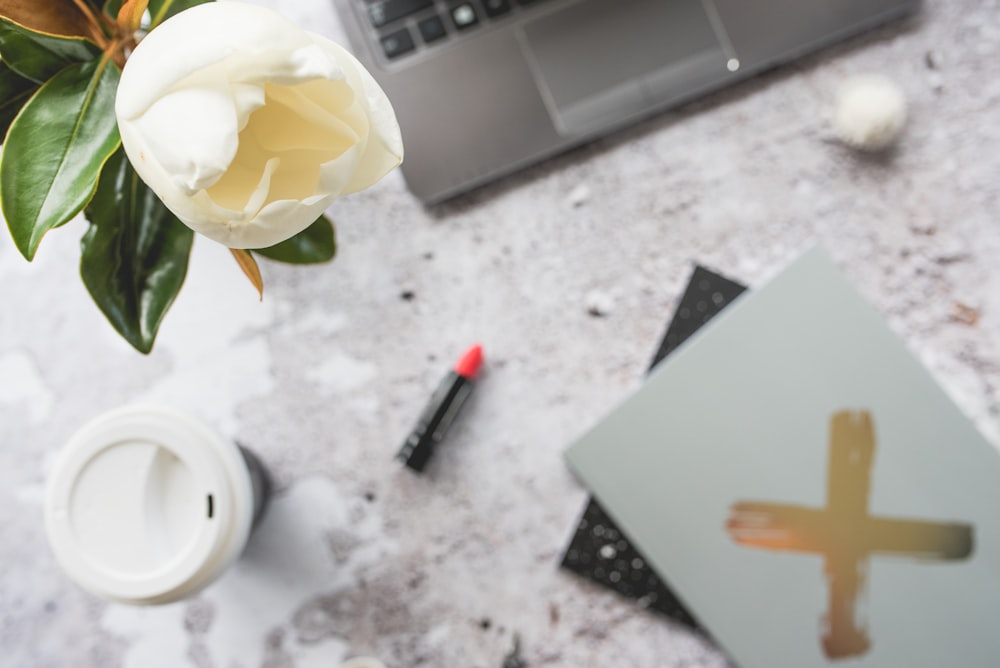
(484, 87)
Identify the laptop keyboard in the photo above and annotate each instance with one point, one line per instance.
(404, 27)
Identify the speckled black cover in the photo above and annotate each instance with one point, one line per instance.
(598, 550)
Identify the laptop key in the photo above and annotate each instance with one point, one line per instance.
(464, 16)
(432, 29)
(496, 7)
(397, 43)
(387, 11)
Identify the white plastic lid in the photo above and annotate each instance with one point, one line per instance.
(362, 662)
(147, 505)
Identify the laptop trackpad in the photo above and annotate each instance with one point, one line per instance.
(600, 61)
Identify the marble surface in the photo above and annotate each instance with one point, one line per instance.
(567, 274)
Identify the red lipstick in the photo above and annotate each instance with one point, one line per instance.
(441, 410)
(468, 366)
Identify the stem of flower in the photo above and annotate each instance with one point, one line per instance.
(95, 26)
(118, 48)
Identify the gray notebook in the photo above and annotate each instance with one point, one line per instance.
(811, 494)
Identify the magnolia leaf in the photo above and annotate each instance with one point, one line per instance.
(112, 7)
(130, 14)
(38, 56)
(55, 149)
(250, 268)
(161, 10)
(312, 245)
(15, 90)
(134, 254)
(66, 18)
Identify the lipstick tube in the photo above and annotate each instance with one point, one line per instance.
(441, 411)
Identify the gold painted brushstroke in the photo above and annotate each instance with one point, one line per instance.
(844, 533)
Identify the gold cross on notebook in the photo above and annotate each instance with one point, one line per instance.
(844, 532)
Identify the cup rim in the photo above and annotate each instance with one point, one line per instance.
(215, 463)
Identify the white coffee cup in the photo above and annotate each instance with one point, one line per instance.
(148, 505)
(362, 662)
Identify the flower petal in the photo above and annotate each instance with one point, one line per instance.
(276, 222)
(291, 119)
(260, 194)
(384, 150)
(193, 134)
(247, 98)
(251, 43)
(248, 127)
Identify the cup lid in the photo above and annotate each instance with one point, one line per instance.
(362, 662)
(147, 504)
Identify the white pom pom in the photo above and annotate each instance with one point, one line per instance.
(871, 111)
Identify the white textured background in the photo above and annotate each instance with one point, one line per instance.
(324, 378)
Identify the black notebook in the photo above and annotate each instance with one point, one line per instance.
(808, 490)
(599, 551)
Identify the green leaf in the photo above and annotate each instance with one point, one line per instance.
(135, 253)
(55, 149)
(15, 90)
(161, 10)
(312, 245)
(112, 7)
(39, 56)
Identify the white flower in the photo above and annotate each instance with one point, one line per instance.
(248, 127)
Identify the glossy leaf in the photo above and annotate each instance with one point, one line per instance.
(130, 14)
(250, 268)
(52, 17)
(134, 254)
(15, 90)
(39, 56)
(55, 149)
(159, 10)
(315, 244)
(112, 7)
